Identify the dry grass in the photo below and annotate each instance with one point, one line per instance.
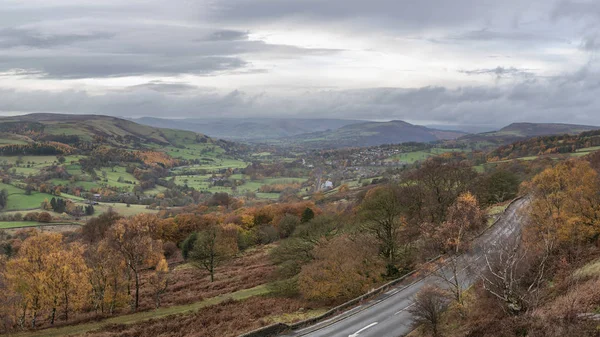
(227, 319)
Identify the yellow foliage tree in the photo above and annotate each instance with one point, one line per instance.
(566, 204)
(343, 268)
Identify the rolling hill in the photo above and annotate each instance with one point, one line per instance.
(72, 129)
(520, 131)
(370, 134)
(249, 128)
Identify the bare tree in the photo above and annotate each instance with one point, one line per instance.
(513, 274)
(429, 304)
(454, 271)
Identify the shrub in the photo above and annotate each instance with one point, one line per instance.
(266, 234)
(44, 217)
(288, 225)
(188, 245)
(169, 249)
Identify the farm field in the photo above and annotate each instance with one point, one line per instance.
(201, 182)
(18, 200)
(412, 157)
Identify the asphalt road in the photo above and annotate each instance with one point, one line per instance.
(388, 314)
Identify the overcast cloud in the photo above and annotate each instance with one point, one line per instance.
(484, 62)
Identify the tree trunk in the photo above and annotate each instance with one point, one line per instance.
(137, 289)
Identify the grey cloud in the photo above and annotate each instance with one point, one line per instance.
(164, 87)
(518, 36)
(400, 13)
(576, 9)
(15, 37)
(95, 66)
(500, 72)
(137, 49)
(558, 99)
(228, 35)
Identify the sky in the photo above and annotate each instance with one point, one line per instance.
(461, 62)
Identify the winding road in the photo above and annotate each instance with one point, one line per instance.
(388, 314)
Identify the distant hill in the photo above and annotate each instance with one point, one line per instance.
(519, 131)
(72, 129)
(248, 128)
(574, 145)
(371, 134)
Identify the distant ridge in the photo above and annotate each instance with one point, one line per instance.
(519, 131)
(371, 134)
(248, 128)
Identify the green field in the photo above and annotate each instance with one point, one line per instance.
(17, 200)
(413, 157)
(200, 182)
(122, 209)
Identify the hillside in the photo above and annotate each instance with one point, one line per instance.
(548, 145)
(520, 131)
(370, 134)
(248, 128)
(71, 129)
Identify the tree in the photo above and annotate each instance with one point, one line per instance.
(3, 198)
(453, 237)
(503, 277)
(89, 210)
(212, 247)
(61, 159)
(45, 217)
(107, 277)
(159, 281)
(287, 225)
(131, 238)
(28, 274)
(429, 304)
(95, 229)
(343, 268)
(382, 212)
(498, 186)
(307, 215)
(442, 182)
(465, 220)
(66, 274)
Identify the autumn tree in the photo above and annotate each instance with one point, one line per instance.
(464, 221)
(95, 229)
(107, 277)
(45, 217)
(211, 248)
(48, 275)
(428, 306)
(343, 268)
(67, 273)
(131, 238)
(566, 205)
(159, 281)
(28, 274)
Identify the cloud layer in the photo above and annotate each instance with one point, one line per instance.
(435, 61)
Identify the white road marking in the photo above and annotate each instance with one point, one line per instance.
(363, 329)
(404, 309)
